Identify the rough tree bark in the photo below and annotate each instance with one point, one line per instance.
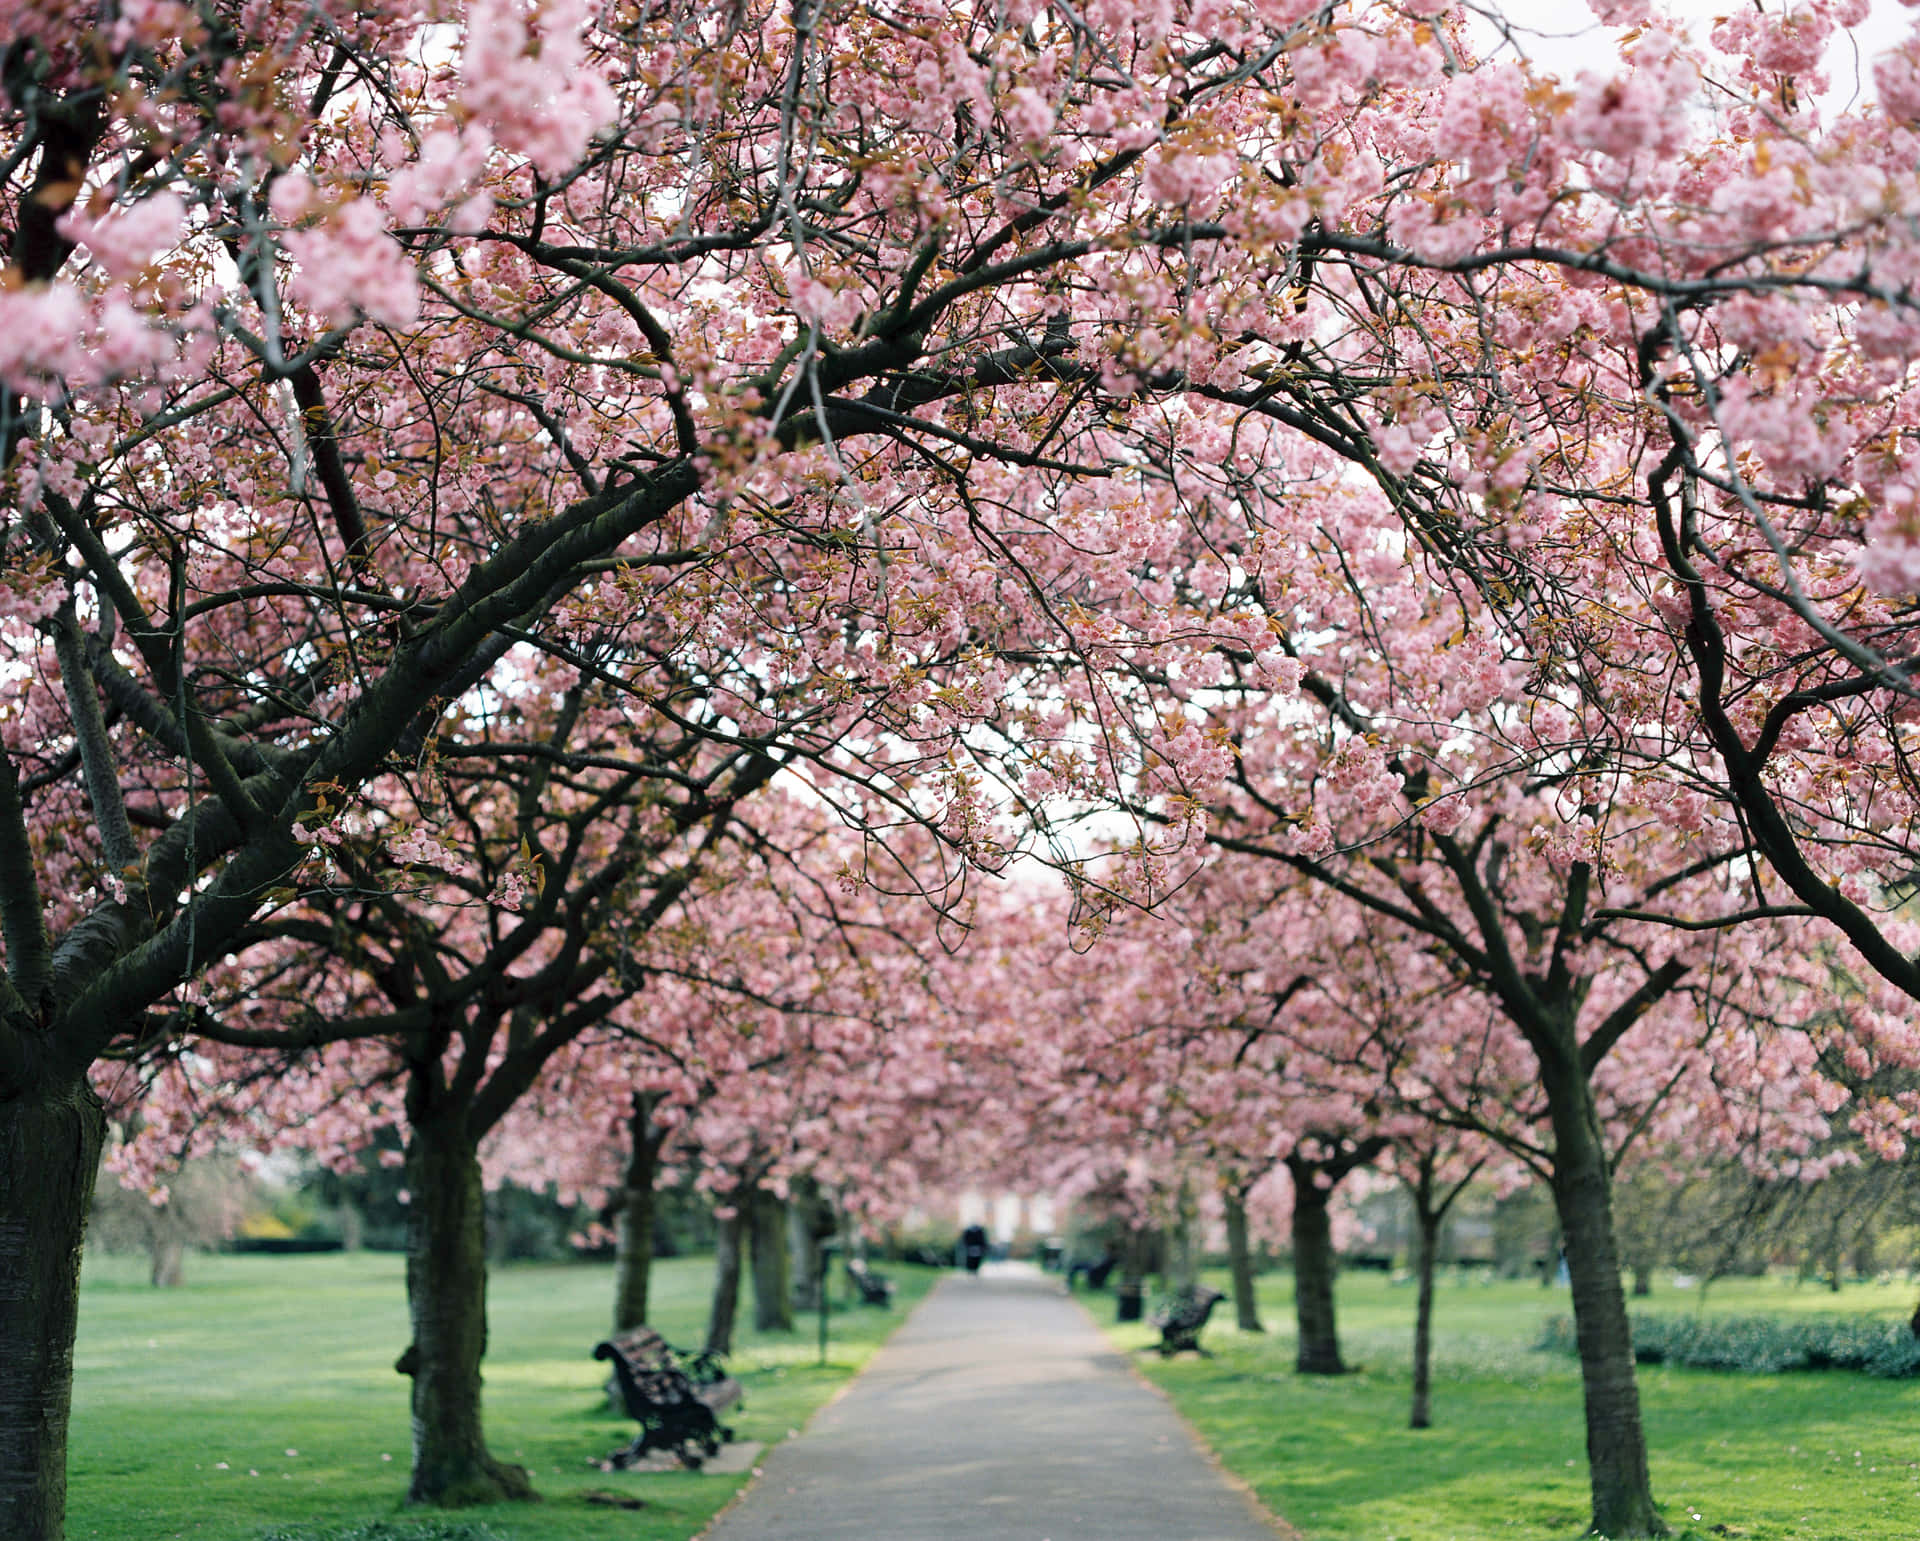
(447, 1302)
(1240, 1258)
(50, 1147)
(1583, 1201)
(726, 1282)
(1313, 1268)
(772, 1277)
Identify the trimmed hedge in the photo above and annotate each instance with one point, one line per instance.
(1763, 1345)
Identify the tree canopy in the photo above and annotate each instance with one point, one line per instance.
(461, 460)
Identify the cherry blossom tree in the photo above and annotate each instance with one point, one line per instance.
(988, 385)
(1436, 1167)
(1603, 1011)
(779, 1048)
(1580, 558)
(1435, 968)
(511, 1037)
(291, 470)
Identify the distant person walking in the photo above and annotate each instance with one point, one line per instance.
(973, 1247)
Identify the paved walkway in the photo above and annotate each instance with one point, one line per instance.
(997, 1411)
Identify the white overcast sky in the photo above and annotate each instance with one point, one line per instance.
(1563, 36)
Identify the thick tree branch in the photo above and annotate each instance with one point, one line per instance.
(323, 443)
(1613, 1027)
(29, 954)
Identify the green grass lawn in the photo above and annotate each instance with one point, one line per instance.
(260, 1399)
(1813, 1456)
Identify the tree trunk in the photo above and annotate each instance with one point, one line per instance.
(166, 1251)
(1127, 1302)
(633, 1252)
(1313, 1266)
(1183, 1241)
(49, 1155)
(1240, 1256)
(1583, 1200)
(807, 1223)
(447, 1301)
(772, 1280)
(726, 1281)
(1642, 1280)
(1427, 1242)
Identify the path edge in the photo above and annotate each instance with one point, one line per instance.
(757, 1474)
(1281, 1528)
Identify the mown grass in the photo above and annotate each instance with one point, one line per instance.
(259, 1401)
(1808, 1456)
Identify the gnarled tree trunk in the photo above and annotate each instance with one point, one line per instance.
(49, 1154)
(1240, 1259)
(447, 1301)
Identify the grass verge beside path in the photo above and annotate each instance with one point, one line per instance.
(1804, 1456)
(260, 1398)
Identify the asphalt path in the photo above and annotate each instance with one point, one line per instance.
(997, 1410)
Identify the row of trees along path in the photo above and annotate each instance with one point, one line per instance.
(458, 465)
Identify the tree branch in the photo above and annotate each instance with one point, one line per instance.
(29, 954)
(97, 760)
(1615, 1024)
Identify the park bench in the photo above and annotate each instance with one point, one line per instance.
(1180, 1318)
(876, 1289)
(676, 1396)
(1096, 1273)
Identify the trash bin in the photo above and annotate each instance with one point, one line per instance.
(1129, 1301)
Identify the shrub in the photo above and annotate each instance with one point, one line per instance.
(1763, 1345)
